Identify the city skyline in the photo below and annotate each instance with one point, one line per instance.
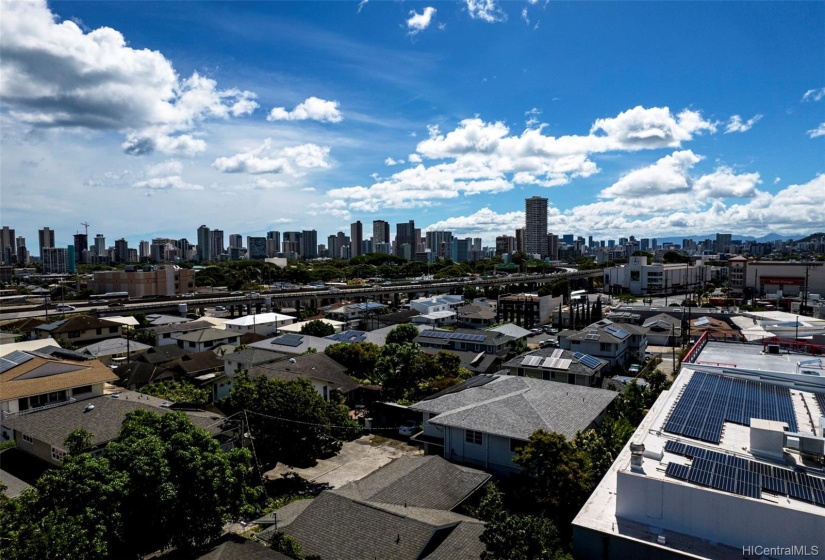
(279, 116)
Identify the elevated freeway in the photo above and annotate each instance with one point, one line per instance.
(303, 297)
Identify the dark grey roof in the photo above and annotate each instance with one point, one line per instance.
(182, 327)
(494, 338)
(208, 335)
(161, 354)
(428, 482)
(515, 407)
(575, 366)
(311, 366)
(476, 311)
(334, 526)
(253, 356)
(229, 547)
(78, 323)
(138, 374)
(52, 425)
(463, 542)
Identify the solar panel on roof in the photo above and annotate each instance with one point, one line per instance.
(291, 340)
(587, 360)
(617, 332)
(592, 335)
(557, 353)
(531, 361)
(701, 321)
(348, 336)
(13, 359)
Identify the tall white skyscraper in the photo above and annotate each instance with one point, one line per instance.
(535, 226)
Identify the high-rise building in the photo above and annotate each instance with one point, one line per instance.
(22, 252)
(7, 246)
(236, 240)
(45, 238)
(256, 248)
(520, 239)
(292, 245)
(55, 260)
(216, 248)
(143, 252)
(204, 244)
(121, 251)
(356, 237)
(273, 243)
(309, 249)
(535, 226)
(553, 246)
(723, 242)
(380, 232)
(440, 243)
(505, 244)
(81, 243)
(405, 235)
(100, 245)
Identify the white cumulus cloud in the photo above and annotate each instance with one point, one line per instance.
(419, 22)
(313, 108)
(485, 10)
(166, 183)
(735, 124)
(267, 159)
(814, 94)
(818, 131)
(54, 74)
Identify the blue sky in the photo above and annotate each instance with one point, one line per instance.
(647, 118)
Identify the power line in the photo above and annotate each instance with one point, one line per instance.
(301, 422)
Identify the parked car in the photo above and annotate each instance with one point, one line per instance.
(634, 369)
(253, 294)
(407, 429)
(536, 331)
(64, 308)
(115, 304)
(549, 343)
(189, 295)
(220, 308)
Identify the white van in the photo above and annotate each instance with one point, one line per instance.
(64, 308)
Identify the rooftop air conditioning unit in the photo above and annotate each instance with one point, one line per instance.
(773, 349)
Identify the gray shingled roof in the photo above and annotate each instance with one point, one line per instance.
(182, 327)
(576, 367)
(207, 335)
(334, 526)
(515, 407)
(428, 482)
(234, 547)
(253, 356)
(311, 366)
(113, 346)
(103, 421)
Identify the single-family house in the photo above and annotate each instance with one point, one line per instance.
(476, 315)
(79, 329)
(106, 350)
(206, 339)
(266, 324)
(617, 344)
(293, 344)
(30, 380)
(469, 340)
(562, 366)
(325, 374)
(663, 330)
(42, 433)
(485, 420)
(351, 314)
(168, 334)
(403, 511)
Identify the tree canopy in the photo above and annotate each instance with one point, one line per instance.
(318, 328)
(402, 333)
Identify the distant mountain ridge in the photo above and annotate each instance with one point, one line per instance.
(764, 239)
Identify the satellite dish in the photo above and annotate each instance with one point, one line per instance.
(89, 407)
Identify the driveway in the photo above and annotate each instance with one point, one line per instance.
(356, 460)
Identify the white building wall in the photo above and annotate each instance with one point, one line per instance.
(715, 516)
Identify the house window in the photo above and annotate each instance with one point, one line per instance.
(576, 341)
(516, 445)
(605, 346)
(98, 331)
(74, 334)
(58, 454)
(471, 436)
(82, 390)
(192, 345)
(167, 335)
(27, 439)
(112, 330)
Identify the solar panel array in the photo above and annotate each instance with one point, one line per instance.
(557, 363)
(12, 360)
(531, 361)
(348, 336)
(291, 340)
(592, 335)
(617, 332)
(701, 321)
(709, 400)
(454, 336)
(587, 360)
(737, 475)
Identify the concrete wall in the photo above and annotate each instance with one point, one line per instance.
(715, 516)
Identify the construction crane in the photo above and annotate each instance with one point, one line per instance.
(87, 228)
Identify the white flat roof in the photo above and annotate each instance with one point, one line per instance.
(260, 319)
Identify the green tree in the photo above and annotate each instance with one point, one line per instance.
(145, 336)
(181, 487)
(317, 328)
(285, 544)
(289, 421)
(358, 357)
(557, 476)
(78, 441)
(177, 391)
(402, 334)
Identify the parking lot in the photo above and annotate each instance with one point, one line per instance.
(356, 460)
